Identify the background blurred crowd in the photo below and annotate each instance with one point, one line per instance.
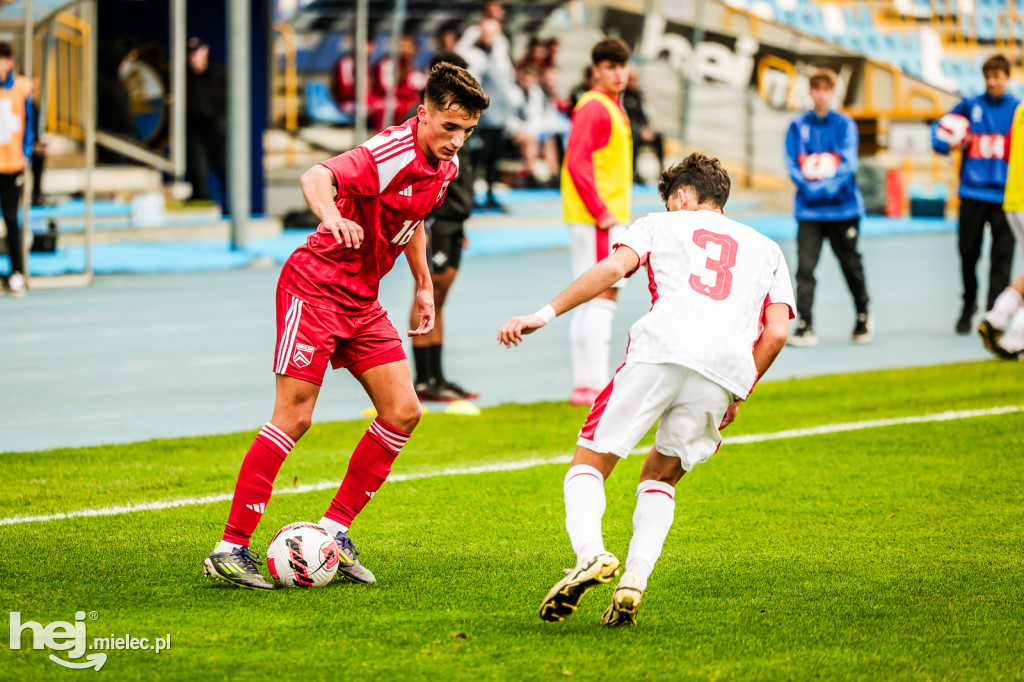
(521, 137)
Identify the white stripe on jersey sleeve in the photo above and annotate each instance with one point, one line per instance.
(380, 139)
(387, 171)
(382, 146)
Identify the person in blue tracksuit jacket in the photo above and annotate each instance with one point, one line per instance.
(821, 156)
(982, 179)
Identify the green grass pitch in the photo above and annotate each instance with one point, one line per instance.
(888, 553)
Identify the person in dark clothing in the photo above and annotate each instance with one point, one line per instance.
(38, 152)
(206, 135)
(633, 104)
(821, 156)
(490, 63)
(115, 114)
(983, 168)
(446, 239)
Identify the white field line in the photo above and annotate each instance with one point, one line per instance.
(516, 466)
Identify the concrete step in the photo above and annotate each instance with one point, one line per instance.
(173, 230)
(107, 180)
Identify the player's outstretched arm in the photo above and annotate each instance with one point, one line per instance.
(416, 255)
(319, 191)
(591, 283)
(766, 349)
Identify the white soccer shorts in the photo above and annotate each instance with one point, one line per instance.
(689, 405)
(588, 245)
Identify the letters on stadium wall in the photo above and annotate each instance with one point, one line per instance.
(779, 75)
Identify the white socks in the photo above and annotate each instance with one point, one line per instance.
(590, 341)
(332, 526)
(584, 507)
(1013, 338)
(1006, 304)
(225, 547)
(655, 509)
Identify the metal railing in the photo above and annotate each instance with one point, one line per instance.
(62, 46)
(290, 76)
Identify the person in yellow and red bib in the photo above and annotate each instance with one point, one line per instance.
(16, 140)
(597, 179)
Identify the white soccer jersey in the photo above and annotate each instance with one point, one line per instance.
(710, 279)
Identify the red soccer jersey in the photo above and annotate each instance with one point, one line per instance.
(386, 186)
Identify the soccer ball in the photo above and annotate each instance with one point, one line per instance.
(953, 129)
(820, 166)
(302, 554)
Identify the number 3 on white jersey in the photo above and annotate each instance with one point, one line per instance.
(720, 268)
(405, 234)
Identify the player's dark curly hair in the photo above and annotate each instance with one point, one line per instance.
(703, 174)
(610, 49)
(449, 85)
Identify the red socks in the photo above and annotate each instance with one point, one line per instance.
(256, 482)
(367, 470)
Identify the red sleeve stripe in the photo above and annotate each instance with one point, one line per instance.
(395, 151)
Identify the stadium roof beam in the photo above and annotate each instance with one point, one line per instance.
(13, 14)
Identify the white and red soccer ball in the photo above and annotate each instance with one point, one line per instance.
(302, 554)
(820, 166)
(954, 130)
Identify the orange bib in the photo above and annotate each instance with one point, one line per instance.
(12, 125)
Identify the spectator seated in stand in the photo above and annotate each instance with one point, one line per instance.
(534, 127)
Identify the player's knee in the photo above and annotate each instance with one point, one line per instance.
(406, 416)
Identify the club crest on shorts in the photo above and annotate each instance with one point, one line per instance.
(303, 355)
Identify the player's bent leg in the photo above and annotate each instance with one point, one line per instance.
(293, 405)
(232, 560)
(652, 520)
(390, 388)
(584, 508)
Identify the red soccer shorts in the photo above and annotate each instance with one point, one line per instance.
(307, 337)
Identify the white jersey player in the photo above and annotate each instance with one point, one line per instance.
(721, 304)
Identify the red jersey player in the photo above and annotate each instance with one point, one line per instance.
(371, 201)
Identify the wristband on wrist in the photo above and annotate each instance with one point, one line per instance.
(547, 313)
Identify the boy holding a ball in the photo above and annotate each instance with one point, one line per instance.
(982, 181)
(821, 156)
